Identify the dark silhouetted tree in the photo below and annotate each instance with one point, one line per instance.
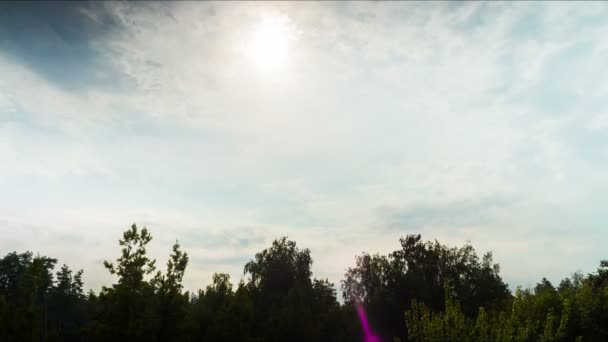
(126, 310)
(387, 285)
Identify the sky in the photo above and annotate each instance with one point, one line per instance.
(343, 126)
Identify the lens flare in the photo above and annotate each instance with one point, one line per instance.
(368, 336)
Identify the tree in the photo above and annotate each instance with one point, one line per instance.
(444, 293)
(127, 308)
(221, 314)
(171, 301)
(286, 304)
(387, 285)
(25, 282)
(67, 308)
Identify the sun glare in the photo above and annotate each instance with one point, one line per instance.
(269, 47)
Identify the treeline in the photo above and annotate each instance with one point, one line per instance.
(424, 291)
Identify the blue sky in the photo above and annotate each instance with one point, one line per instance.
(461, 121)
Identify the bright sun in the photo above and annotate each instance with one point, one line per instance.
(269, 47)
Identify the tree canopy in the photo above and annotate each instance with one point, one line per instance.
(423, 291)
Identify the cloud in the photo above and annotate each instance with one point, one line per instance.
(478, 121)
(57, 41)
(448, 216)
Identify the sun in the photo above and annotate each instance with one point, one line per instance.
(269, 45)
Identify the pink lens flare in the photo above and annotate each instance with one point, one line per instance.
(367, 332)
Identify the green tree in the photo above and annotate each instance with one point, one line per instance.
(126, 310)
(172, 302)
(287, 303)
(25, 283)
(67, 307)
(387, 285)
(221, 314)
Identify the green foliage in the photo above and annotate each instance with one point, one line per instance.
(34, 306)
(137, 308)
(67, 310)
(424, 291)
(133, 265)
(448, 325)
(171, 302)
(219, 313)
(287, 303)
(533, 316)
(389, 285)
(127, 309)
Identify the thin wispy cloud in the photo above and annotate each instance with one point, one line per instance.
(463, 121)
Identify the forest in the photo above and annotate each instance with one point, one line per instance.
(424, 291)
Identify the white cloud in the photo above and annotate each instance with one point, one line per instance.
(417, 108)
